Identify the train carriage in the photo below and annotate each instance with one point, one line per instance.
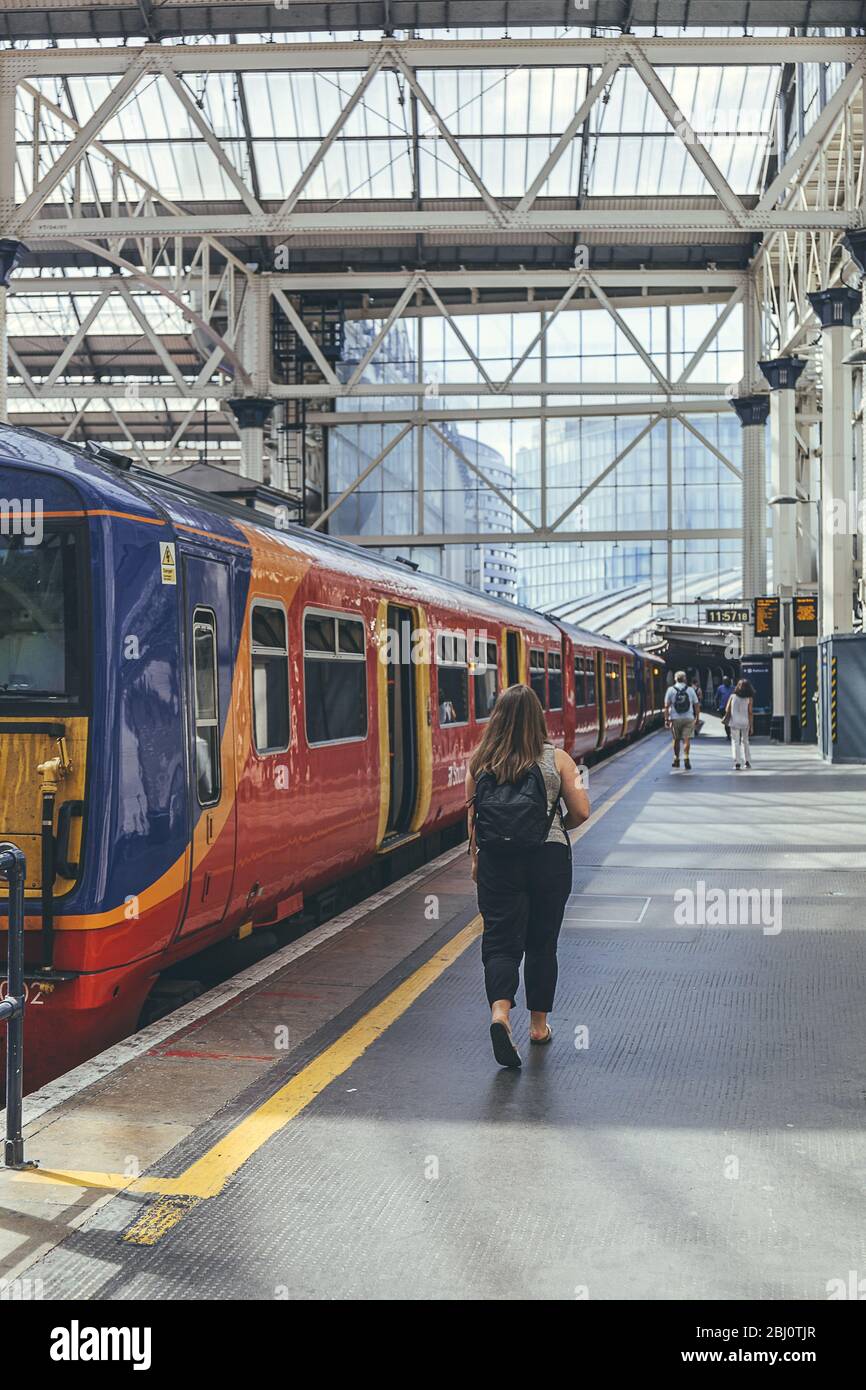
(206, 720)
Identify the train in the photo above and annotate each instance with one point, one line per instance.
(209, 717)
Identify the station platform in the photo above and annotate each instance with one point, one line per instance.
(332, 1125)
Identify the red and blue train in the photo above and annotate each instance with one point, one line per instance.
(207, 720)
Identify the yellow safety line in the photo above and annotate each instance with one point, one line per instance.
(209, 1174)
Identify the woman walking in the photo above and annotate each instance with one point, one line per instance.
(521, 860)
(740, 719)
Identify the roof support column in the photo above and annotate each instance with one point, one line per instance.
(253, 412)
(752, 412)
(836, 308)
(854, 243)
(782, 374)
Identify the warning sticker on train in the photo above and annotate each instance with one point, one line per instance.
(168, 562)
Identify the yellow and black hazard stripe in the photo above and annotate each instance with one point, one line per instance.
(804, 707)
(833, 697)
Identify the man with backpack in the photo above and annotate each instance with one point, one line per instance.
(682, 710)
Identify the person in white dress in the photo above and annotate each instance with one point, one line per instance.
(740, 719)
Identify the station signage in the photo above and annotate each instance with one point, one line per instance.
(767, 617)
(805, 615)
(732, 616)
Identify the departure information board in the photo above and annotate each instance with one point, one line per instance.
(767, 612)
(732, 616)
(805, 615)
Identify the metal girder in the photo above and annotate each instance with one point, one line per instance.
(604, 473)
(609, 70)
(356, 482)
(544, 537)
(349, 283)
(719, 406)
(815, 137)
(480, 388)
(699, 153)
(213, 143)
(323, 392)
(480, 474)
(357, 220)
(119, 166)
(526, 277)
(330, 56)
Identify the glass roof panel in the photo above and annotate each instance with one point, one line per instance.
(507, 119)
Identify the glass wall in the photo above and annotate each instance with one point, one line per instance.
(620, 467)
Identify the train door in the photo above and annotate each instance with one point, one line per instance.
(512, 657)
(625, 688)
(209, 670)
(402, 724)
(601, 697)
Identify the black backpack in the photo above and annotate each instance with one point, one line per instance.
(512, 815)
(682, 701)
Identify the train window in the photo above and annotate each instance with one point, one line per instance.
(579, 682)
(631, 683)
(270, 683)
(350, 635)
(320, 633)
(40, 623)
(486, 678)
(611, 681)
(590, 681)
(453, 677)
(554, 680)
(335, 678)
(536, 673)
(207, 728)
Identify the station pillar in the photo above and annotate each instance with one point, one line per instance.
(854, 243)
(252, 414)
(782, 375)
(752, 411)
(835, 309)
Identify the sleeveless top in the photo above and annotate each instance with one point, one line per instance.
(553, 786)
(739, 712)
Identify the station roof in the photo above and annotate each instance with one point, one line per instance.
(156, 19)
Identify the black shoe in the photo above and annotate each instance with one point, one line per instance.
(675, 763)
(504, 1050)
(736, 767)
(687, 765)
(748, 764)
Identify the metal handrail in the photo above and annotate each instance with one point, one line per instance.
(13, 867)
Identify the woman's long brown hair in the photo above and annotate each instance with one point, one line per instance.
(515, 737)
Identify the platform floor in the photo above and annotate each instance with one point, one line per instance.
(696, 1129)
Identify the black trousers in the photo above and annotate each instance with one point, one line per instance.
(522, 897)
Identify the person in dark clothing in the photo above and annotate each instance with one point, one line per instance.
(522, 892)
(724, 691)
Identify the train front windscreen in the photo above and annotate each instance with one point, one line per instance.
(40, 618)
